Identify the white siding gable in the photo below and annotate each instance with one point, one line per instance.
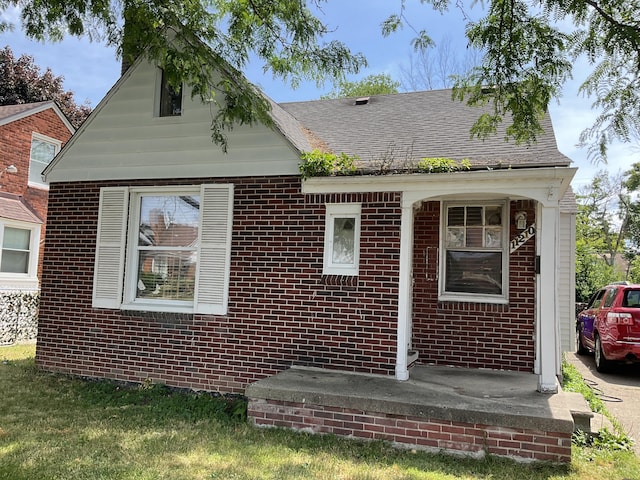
(124, 139)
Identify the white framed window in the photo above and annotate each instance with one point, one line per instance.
(19, 254)
(342, 239)
(177, 255)
(43, 149)
(474, 254)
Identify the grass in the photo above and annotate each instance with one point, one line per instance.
(58, 427)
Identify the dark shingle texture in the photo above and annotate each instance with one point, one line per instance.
(410, 126)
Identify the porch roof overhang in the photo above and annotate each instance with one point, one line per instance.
(546, 185)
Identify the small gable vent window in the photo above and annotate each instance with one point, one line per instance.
(170, 99)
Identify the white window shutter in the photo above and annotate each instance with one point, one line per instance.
(110, 247)
(215, 249)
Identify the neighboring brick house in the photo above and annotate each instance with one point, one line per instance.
(30, 136)
(369, 273)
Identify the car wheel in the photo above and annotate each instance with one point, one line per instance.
(580, 348)
(602, 364)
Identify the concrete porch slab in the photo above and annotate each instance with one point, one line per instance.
(480, 409)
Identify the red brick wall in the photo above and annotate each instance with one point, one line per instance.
(415, 432)
(15, 139)
(475, 335)
(282, 310)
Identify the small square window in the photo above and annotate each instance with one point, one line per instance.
(342, 238)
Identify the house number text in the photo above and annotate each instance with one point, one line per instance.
(526, 234)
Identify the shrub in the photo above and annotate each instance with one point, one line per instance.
(442, 165)
(323, 164)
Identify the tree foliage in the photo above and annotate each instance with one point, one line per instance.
(530, 47)
(196, 40)
(608, 231)
(375, 84)
(21, 81)
(437, 67)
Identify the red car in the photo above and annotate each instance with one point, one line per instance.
(610, 326)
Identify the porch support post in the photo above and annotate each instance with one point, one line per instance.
(547, 298)
(404, 290)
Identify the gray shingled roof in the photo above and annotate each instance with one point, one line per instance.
(7, 111)
(416, 125)
(290, 127)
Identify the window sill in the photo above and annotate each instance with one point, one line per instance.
(154, 307)
(472, 298)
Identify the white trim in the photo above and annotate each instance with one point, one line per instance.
(37, 109)
(333, 212)
(214, 256)
(27, 280)
(130, 300)
(546, 185)
(35, 136)
(547, 303)
(405, 292)
(110, 247)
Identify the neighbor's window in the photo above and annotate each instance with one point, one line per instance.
(474, 253)
(342, 239)
(43, 149)
(16, 250)
(170, 99)
(164, 248)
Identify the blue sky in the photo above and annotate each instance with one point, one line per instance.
(90, 69)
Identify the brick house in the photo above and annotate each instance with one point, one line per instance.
(372, 273)
(30, 135)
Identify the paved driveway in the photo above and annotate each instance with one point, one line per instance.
(620, 391)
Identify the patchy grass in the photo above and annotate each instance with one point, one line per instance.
(57, 427)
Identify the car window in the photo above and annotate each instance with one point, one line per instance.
(611, 295)
(595, 300)
(631, 298)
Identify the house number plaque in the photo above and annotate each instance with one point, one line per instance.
(522, 238)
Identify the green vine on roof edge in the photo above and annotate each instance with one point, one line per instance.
(324, 164)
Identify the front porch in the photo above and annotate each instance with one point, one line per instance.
(465, 411)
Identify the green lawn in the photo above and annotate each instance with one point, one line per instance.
(56, 427)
